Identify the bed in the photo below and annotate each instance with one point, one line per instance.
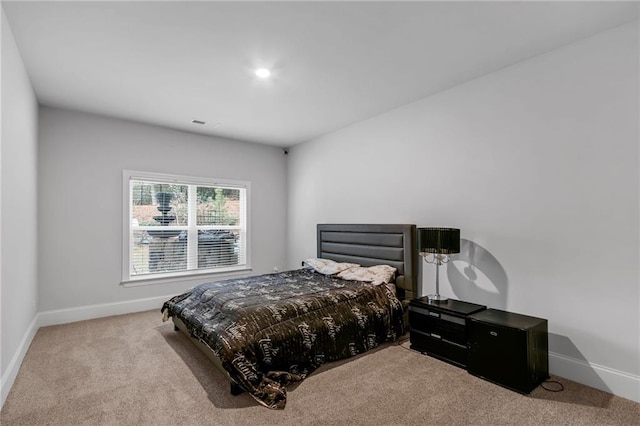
(264, 332)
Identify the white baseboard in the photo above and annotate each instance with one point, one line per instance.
(9, 376)
(63, 316)
(81, 313)
(597, 376)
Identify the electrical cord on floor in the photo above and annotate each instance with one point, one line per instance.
(553, 382)
(402, 340)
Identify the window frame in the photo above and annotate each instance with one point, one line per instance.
(132, 280)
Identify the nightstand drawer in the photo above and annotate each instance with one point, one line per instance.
(439, 329)
(422, 318)
(438, 347)
(448, 327)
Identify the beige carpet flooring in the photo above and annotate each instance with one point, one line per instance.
(135, 370)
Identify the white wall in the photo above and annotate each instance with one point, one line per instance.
(80, 215)
(18, 242)
(538, 165)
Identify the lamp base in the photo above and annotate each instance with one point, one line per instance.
(436, 298)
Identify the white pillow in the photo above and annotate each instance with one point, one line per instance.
(328, 266)
(378, 274)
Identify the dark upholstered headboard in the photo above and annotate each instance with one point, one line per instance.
(369, 245)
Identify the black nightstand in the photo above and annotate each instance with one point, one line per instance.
(509, 349)
(439, 329)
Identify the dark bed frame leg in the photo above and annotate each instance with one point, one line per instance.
(236, 389)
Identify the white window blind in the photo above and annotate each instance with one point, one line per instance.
(183, 225)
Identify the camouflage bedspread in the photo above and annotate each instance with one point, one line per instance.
(274, 329)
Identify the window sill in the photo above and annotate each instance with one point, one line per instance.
(195, 278)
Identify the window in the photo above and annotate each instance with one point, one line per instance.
(179, 225)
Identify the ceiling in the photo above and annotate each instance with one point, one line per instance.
(332, 63)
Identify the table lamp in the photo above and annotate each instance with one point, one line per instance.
(436, 245)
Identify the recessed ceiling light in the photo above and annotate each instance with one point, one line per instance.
(263, 73)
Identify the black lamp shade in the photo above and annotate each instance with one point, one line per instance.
(439, 240)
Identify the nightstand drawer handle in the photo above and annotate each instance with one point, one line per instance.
(437, 336)
(454, 343)
(493, 333)
(453, 319)
(424, 311)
